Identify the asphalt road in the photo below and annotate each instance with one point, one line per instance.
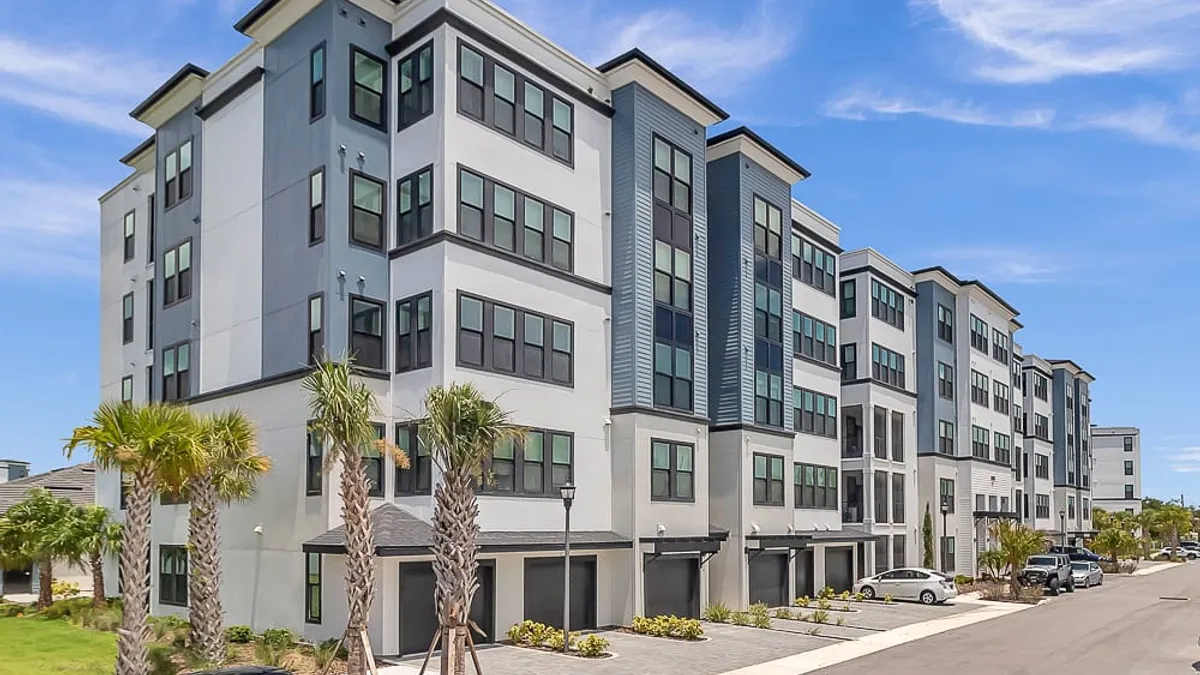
(1123, 627)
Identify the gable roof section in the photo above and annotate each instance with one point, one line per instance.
(76, 483)
(190, 75)
(746, 141)
(971, 282)
(635, 66)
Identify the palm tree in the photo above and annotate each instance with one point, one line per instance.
(1115, 542)
(95, 536)
(342, 408)
(1016, 543)
(37, 531)
(230, 472)
(462, 430)
(1147, 522)
(154, 445)
(1174, 520)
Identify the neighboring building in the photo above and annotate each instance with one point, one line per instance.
(964, 406)
(13, 469)
(1072, 449)
(76, 483)
(1117, 469)
(1038, 417)
(879, 407)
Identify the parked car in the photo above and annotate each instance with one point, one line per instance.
(1190, 545)
(1181, 552)
(1077, 553)
(908, 583)
(1049, 570)
(1086, 573)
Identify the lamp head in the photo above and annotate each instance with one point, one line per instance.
(567, 492)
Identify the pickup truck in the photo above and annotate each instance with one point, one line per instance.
(1049, 570)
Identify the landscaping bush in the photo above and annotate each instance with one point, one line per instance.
(826, 593)
(336, 644)
(239, 634)
(13, 609)
(963, 580)
(64, 589)
(63, 609)
(803, 601)
(167, 627)
(530, 633)
(739, 619)
(819, 616)
(858, 597)
(270, 653)
(592, 646)
(717, 613)
(783, 613)
(824, 604)
(844, 595)
(887, 599)
(668, 626)
(161, 660)
(106, 619)
(281, 638)
(324, 654)
(556, 637)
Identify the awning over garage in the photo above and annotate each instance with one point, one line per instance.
(802, 539)
(703, 544)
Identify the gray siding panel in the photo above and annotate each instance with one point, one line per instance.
(1058, 393)
(628, 333)
(930, 349)
(726, 298)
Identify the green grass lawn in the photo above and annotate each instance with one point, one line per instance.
(33, 645)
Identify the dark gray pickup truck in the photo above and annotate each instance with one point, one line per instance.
(1049, 570)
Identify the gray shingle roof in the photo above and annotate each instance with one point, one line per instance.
(76, 483)
(398, 532)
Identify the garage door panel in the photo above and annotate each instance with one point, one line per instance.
(418, 612)
(544, 591)
(768, 580)
(839, 568)
(805, 574)
(672, 586)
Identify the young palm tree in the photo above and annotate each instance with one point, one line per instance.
(153, 445)
(95, 536)
(462, 430)
(1115, 542)
(1174, 520)
(38, 530)
(342, 408)
(230, 472)
(1017, 542)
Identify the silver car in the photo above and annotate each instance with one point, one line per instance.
(908, 583)
(1086, 574)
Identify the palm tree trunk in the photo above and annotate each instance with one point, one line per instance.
(135, 573)
(97, 565)
(204, 582)
(360, 559)
(455, 537)
(45, 582)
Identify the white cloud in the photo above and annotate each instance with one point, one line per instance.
(1186, 460)
(863, 104)
(1156, 123)
(1024, 41)
(48, 227)
(1003, 264)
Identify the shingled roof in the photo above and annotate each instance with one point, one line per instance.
(76, 483)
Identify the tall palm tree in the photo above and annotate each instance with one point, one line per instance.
(1016, 543)
(1174, 520)
(462, 430)
(154, 445)
(37, 530)
(341, 409)
(230, 472)
(95, 536)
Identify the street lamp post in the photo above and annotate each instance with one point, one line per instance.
(567, 492)
(1062, 519)
(945, 532)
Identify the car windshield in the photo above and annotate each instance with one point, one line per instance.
(1080, 566)
(1046, 560)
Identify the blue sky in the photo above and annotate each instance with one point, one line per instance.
(1049, 148)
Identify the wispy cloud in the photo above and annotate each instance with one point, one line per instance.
(1156, 123)
(48, 226)
(1022, 41)
(1003, 264)
(866, 104)
(1186, 460)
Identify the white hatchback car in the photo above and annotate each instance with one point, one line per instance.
(909, 583)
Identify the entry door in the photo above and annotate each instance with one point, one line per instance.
(839, 568)
(805, 570)
(544, 591)
(672, 586)
(418, 613)
(768, 579)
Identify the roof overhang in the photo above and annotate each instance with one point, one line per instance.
(697, 544)
(270, 18)
(635, 66)
(184, 87)
(1071, 367)
(743, 140)
(937, 270)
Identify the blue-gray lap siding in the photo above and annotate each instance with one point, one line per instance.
(1059, 382)
(930, 349)
(734, 181)
(639, 116)
(293, 147)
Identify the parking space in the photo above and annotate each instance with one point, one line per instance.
(881, 616)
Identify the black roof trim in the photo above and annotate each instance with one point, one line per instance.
(746, 426)
(774, 151)
(231, 93)
(1062, 362)
(180, 75)
(260, 10)
(883, 276)
(971, 282)
(636, 54)
(141, 147)
(817, 238)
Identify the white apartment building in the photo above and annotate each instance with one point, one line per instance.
(1038, 415)
(1070, 397)
(1117, 469)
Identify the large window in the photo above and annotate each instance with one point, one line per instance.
(1128, 491)
(672, 470)
(372, 459)
(416, 86)
(879, 432)
(979, 388)
(887, 366)
(849, 361)
(945, 437)
(945, 374)
(1003, 444)
(815, 487)
(768, 480)
(814, 266)
(1129, 467)
(176, 369)
(1000, 346)
(152, 218)
(948, 554)
(536, 464)
(849, 296)
(1041, 427)
(1041, 387)
(416, 479)
(177, 273)
(945, 323)
(127, 392)
(674, 337)
(1127, 443)
(814, 339)
(314, 463)
(814, 413)
(1000, 397)
(887, 305)
(130, 230)
(173, 575)
(312, 588)
(881, 496)
(979, 334)
(366, 210)
(316, 206)
(768, 398)
(515, 341)
(946, 494)
(898, 513)
(366, 332)
(127, 318)
(414, 206)
(178, 174)
(768, 313)
(414, 333)
(316, 83)
(1041, 506)
(897, 436)
(367, 91)
(981, 442)
(506, 218)
(316, 328)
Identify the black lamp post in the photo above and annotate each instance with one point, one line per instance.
(945, 531)
(1062, 519)
(567, 492)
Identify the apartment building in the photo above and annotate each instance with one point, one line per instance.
(1072, 448)
(1117, 469)
(1019, 465)
(879, 407)
(1038, 507)
(964, 406)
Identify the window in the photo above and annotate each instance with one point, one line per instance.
(814, 413)
(173, 575)
(1086, 511)
(1128, 491)
(177, 273)
(1018, 419)
(1041, 506)
(849, 301)
(981, 502)
(768, 313)
(506, 218)
(1000, 397)
(312, 588)
(536, 464)
(150, 383)
(366, 211)
(414, 207)
(813, 265)
(768, 480)
(947, 554)
(130, 228)
(1041, 427)
(314, 463)
(1000, 346)
(897, 437)
(981, 442)
(177, 367)
(1128, 467)
(414, 331)
(316, 206)
(178, 174)
(1003, 444)
(815, 486)
(979, 388)
(511, 340)
(881, 496)
(945, 323)
(416, 479)
(898, 498)
(879, 432)
(416, 86)
(372, 459)
(887, 366)
(945, 380)
(546, 121)
(768, 228)
(814, 339)
(887, 305)
(1128, 443)
(674, 336)
(366, 332)
(946, 494)
(899, 553)
(316, 328)
(367, 90)
(152, 218)
(881, 560)
(127, 393)
(316, 83)
(1071, 504)
(671, 470)
(849, 362)
(127, 318)
(945, 437)
(979, 334)
(1041, 387)
(768, 398)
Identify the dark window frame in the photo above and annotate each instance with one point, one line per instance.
(316, 336)
(767, 481)
(421, 214)
(980, 389)
(1002, 451)
(381, 125)
(805, 346)
(422, 87)
(672, 471)
(806, 421)
(520, 225)
(129, 225)
(899, 510)
(314, 463)
(181, 186)
(549, 487)
(177, 286)
(1127, 444)
(946, 496)
(945, 377)
(807, 270)
(849, 361)
(946, 437)
(312, 611)
(981, 442)
(172, 591)
(352, 333)
(316, 211)
(1000, 350)
(1129, 491)
(520, 341)
(881, 483)
(420, 340)
(127, 390)
(979, 334)
(1001, 396)
(897, 430)
(352, 208)
(887, 304)
(882, 369)
(317, 88)
(812, 494)
(173, 386)
(945, 323)
(127, 315)
(373, 457)
(849, 298)
(417, 479)
(152, 222)
(673, 226)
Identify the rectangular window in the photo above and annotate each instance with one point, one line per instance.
(171, 178)
(981, 442)
(945, 373)
(512, 340)
(945, 437)
(899, 551)
(366, 210)
(416, 86)
(1127, 443)
(316, 328)
(881, 496)
(127, 393)
(1041, 466)
(1041, 387)
(814, 266)
(979, 334)
(372, 459)
(312, 588)
(945, 321)
(1003, 444)
(151, 205)
(814, 339)
(673, 266)
(316, 83)
(127, 318)
(897, 436)
(1000, 346)
(417, 478)
(1000, 397)
(185, 170)
(849, 301)
(979, 388)
(367, 91)
(414, 333)
(177, 273)
(887, 305)
(177, 367)
(849, 362)
(768, 480)
(534, 115)
(1128, 491)
(414, 207)
(1041, 427)
(1018, 419)
(366, 332)
(536, 464)
(814, 413)
(1071, 502)
(672, 470)
(316, 206)
(1041, 506)
(887, 366)
(898, 513)
(881, 554)
(768, 228)
(490, 211)
(946, 494)
(815, 487)
(314, 463)
(879, 432)
(1128, 467)
(768, 398)
(130, 229)
(948, 554)
(178, 174)
(173, 575)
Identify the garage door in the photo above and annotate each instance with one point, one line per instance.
(544, 591)
(768, 579)
(839, 568)
(805, 570)
(418, 615)
(672, 586)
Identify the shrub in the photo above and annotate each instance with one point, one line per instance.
(740, 619)
(760, 620)
(717, 613)
(826, 593)
(783, 613)
(824, 604)
(278, 637)
(668, 626)
(166, 627)
(530, 634)
(270, 653)
(858, 597)
(161, 660)
(64, 589)
(239, 634)
(555, 640)
(846, 607)
(844, 595)
(841, 621)
(324, 654)
(106, 619)
(759, 609)
(962, 580)
(592, 646)
(802, 601)
(819, 616)
(63, 609)
(335, 644)
(690, 629)
(887, 600)
(9, 609)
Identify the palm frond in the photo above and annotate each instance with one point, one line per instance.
(463, 428)
(233, 462)
(341, 411)
(110, 436)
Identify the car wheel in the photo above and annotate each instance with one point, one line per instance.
(1071, 586)
(928, 598)
(868, 593)
(1053, 586)
(1087, 584)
